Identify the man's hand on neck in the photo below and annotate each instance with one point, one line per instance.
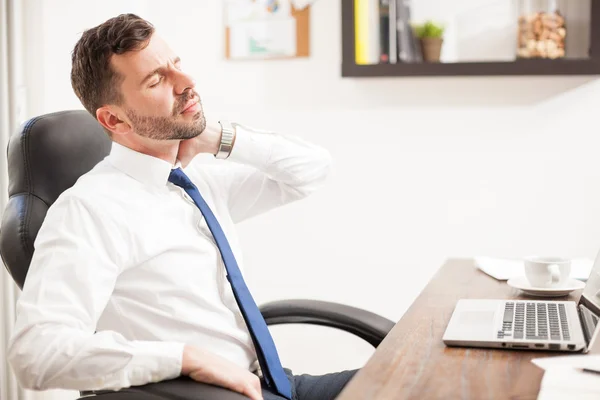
(207, 142)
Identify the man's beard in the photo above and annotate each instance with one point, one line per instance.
(170, 128)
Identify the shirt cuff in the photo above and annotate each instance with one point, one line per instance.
(252, 147)
(155, 361)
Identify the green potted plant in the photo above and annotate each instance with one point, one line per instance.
(431, 36)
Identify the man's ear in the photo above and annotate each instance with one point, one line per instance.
(109, 118)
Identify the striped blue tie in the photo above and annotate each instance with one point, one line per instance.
(268, 358)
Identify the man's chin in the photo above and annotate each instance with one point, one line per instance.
(184, 136)
(193, 135)
(189, 134)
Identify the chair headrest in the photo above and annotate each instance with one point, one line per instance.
(46, 156)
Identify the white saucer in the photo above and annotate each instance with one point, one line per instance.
(523, 284)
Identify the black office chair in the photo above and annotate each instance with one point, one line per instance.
(48, 154)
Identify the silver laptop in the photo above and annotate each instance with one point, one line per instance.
(529, 324)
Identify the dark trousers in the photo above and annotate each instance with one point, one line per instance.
(309, 387)
(304, 387)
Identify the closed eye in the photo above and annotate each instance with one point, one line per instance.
(160, 78)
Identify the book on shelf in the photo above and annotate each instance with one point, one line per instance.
(392, 32)
(367, 31)
(409, 49)
(383, 33)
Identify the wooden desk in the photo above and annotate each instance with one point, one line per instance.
(413, 362)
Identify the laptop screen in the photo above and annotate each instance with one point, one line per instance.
(594, 342)
(591, 292)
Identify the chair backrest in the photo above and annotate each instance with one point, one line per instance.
(45, 157)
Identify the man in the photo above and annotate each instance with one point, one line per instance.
(143, 248)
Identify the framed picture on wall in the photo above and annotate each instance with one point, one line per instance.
(266, 29)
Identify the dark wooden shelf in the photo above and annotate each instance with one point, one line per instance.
(518, 67)
(589, 66)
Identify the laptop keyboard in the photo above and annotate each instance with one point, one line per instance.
(535, 321)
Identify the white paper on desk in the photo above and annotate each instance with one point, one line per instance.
(582, 361)
(564, 382)
(505, 268)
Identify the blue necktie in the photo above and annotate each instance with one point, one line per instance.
(268, 359)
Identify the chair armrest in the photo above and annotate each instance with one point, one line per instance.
(364, 324)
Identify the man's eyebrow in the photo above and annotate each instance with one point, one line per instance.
(157, 70)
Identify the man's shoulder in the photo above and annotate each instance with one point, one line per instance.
(99, 187)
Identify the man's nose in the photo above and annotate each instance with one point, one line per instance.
(183, 82)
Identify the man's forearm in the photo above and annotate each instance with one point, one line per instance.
(51, 356)
(274, 169)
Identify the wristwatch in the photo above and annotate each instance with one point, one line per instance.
(227, 138)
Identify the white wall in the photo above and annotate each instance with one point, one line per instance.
(425, 169)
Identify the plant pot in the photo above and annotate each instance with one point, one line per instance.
(432, 48)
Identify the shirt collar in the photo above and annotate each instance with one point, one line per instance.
(141, 167)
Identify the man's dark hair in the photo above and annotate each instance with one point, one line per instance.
(93, 79)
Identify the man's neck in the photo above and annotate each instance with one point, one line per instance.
(164, 149)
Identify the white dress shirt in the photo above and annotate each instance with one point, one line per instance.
(128, 254)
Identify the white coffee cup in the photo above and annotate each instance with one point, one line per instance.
(547, 272)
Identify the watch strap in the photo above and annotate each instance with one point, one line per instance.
(227, 138)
